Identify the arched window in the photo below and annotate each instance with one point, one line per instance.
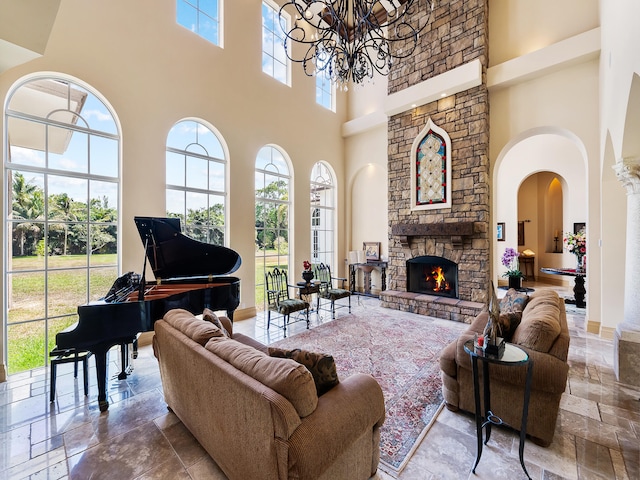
(272, 209)
(196, 181)
(323, 216)
(62, 174)
(431, 169)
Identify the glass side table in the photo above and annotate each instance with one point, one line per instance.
(513, 356)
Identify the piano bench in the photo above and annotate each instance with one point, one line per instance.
(67, 356)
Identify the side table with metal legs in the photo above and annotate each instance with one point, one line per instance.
(513, 356)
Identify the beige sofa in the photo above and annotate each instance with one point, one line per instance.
(259, 417)
(544, 335)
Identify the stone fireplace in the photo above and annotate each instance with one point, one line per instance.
(458, 232)
(432, 275)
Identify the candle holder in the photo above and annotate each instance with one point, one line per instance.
(555, 248)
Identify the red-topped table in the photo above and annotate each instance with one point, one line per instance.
(578, 288)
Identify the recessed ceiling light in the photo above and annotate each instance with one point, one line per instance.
(443, 94)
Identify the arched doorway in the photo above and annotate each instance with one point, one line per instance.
(540, 179)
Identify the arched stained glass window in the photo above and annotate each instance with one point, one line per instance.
(431, 169)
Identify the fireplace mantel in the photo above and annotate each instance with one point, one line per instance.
(456, 230)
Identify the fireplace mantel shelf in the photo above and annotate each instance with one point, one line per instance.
(456, 231)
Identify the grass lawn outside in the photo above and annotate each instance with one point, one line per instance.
(31, 336)
(28, 330)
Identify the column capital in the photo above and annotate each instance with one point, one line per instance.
(628, 172)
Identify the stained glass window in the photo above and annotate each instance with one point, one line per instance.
(431, 170)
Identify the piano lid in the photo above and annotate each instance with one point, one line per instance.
(172, 254)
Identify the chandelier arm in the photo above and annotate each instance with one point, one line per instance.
(350, 40)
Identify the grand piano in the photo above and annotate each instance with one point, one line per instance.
(188, 274)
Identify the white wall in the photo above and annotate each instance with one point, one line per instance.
(367, 186)
(517, 28)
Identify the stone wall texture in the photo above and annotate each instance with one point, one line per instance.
(457, 34)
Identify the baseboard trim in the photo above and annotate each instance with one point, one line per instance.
(593, 327)
(607, 332)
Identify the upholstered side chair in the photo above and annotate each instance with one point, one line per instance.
(279, 301)
(329, 293)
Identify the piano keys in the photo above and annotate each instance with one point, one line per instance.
(188, 274)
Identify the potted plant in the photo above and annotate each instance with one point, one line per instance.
(513, 273)
(577, 244)
(307, 273)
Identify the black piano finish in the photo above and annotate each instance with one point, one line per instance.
(189, 274)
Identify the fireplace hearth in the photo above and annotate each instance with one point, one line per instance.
(432, 275)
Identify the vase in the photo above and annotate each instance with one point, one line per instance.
(579, 266)
(515, 282)
(307, 275)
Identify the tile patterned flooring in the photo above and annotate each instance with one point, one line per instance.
(597, 433)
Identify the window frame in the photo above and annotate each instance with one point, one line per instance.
(186, 190)
(277, 36)
(282, 260)
(56, 314)
(195, 4)
(323, 178)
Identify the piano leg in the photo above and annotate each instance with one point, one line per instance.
(101, 371)
(124, 361)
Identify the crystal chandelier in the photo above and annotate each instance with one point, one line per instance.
(349, 40)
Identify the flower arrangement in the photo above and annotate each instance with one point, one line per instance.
(510, 260)
(307, 265)
(576, 243)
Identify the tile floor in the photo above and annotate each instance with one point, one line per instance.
(597, 436)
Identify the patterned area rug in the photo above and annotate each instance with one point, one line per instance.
(401, 352)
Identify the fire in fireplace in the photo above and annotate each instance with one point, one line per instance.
(433, 276)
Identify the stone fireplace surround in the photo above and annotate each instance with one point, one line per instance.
(446, 240)
(456, 36)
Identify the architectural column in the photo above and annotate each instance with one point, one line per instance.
(627, 336)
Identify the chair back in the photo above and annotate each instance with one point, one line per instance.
(323, 275)
(277, 286)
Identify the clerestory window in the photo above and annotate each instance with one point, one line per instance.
(274, 57)
(201, 17)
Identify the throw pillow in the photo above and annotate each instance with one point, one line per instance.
(194, 328)
(210, 316)
(540, 326)
(321, 366)
(511, 307)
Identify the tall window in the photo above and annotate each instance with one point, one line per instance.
(196, 181)
(274, 56)
(272, 185)
(61, 216)
(322, 215)
(201, 17)
(324, 91)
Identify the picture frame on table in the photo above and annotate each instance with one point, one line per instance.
(500, 232)
(371, 251)
(579, 226)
